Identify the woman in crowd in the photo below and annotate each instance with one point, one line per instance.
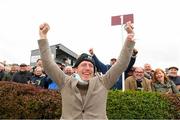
(161, 83)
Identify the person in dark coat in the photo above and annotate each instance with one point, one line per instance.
(22, 76)
(173, 75)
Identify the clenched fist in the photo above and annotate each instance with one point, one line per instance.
(129, 28)
(43, 30)
(91, 51)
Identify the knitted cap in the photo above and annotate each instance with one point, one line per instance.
(84, 57)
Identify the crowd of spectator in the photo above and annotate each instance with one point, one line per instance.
(158, 80)
(27, 74)
(135, 78)
(89, 67)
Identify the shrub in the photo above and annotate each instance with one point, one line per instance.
(175, 104)
(141, 105)
(27, 101)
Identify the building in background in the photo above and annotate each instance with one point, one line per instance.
(60, 53)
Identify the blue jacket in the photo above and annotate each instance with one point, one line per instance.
(101, 67)
(53, 86)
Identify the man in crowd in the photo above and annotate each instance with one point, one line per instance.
(148, 71)
(137, 81)
(13, 69)
(22, 76)
(84, 95)
(173, 75)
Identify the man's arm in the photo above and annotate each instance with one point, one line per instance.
(50, 67)
(100, 66)
(131, 63)
(122, 62)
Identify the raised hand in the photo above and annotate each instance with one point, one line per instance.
(129, 28)
(91, 51)
(135, 52)
(43, 30)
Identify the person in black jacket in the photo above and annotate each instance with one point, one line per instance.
(22, 76)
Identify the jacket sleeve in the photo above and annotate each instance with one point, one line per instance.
(153, 87)
(130, 65)
(173, 87)
(49, 65)
(100, 66)
(127, 83)
(120, 66)
(149, 87)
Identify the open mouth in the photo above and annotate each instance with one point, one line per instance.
(159, 77)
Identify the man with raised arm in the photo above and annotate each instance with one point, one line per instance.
(84, 95)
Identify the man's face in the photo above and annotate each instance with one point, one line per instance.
(85, 70)
(23, 68)
(68, 70)
(138, 73)
(147, 68)
(14, 69)
(173, 72)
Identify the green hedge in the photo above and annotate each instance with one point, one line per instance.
(28, 102)
(142, 105)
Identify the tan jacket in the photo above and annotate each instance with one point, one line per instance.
(130, 84)
(94, 105)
